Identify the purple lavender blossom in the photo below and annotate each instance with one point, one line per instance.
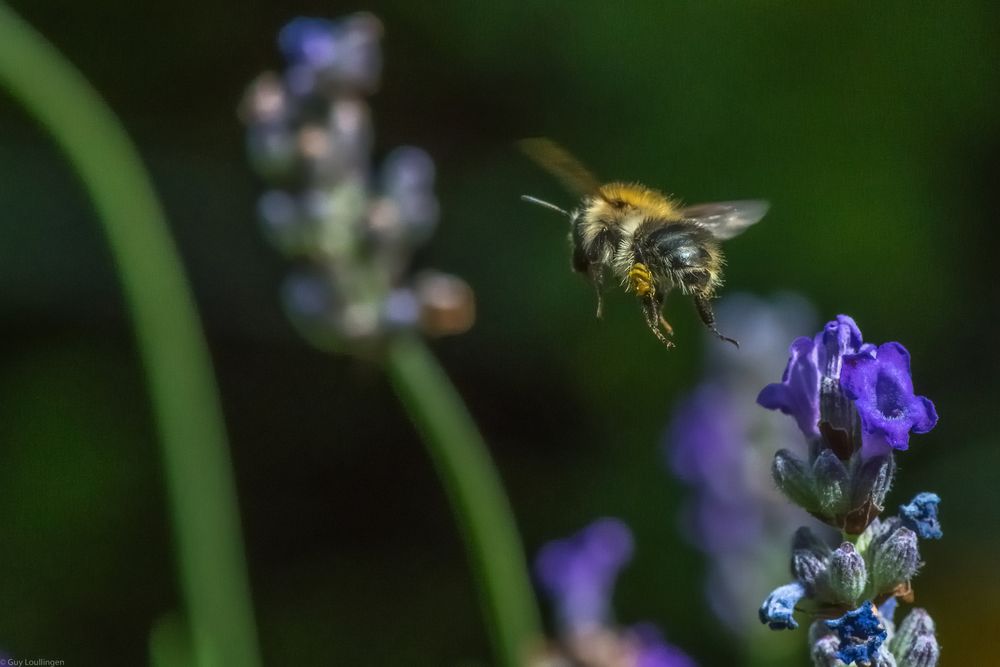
(882, 389)
(861, 634)
(798, 392)
(579, 573)
(814, 364)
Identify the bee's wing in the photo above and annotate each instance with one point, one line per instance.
(557, 161)
(728, 218)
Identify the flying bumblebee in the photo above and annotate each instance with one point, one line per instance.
(645, 239)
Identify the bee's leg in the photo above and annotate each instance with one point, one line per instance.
(704, 307)
(596, 274)
(651, 311)
(666, 325)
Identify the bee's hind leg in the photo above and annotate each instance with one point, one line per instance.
(596, 274)
(704, 307)
(654, 320)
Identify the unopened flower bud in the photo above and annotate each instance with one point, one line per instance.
(878, 532)
(794, 479)
(917, 622)
(883, 658)
(809, 558)
(847, 574)
(832, 484)
(807, 567)
(895, 560)
(824, 646)
(873, 480)
(923, 652)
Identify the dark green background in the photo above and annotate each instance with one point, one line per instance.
(874, 131)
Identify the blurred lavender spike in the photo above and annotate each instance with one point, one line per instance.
(721, 445)
(309, 133)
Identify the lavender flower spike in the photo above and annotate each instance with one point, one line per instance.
(882, 389)
(777, 609)
(579, 572)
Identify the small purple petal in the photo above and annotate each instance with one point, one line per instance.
(798, 392)
(839, 337)
(882, 391)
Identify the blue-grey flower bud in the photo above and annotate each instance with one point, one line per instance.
(823, 646)
(917, 622)
(809, 557)
(872, 481)
(847, 574)
(924, 652)
(807, 568)
(883, 658)
(877, 533)
(895, 560)
(794, 480)
(832, 484)
(805, 538)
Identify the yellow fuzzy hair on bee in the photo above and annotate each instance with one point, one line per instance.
(652, 203)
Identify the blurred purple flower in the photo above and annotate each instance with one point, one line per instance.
(721, 444)
(309, 41)
(578, 573)
(882, 390)
(653, 651)
(341, 53)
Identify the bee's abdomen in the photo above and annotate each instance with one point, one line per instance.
(640, 279)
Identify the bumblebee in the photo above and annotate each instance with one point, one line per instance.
(645, 239)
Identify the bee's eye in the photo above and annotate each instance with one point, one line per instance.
(617, 204)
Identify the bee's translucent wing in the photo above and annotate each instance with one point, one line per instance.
(726, 219)
(557, 161)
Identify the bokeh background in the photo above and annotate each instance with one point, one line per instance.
(874, 131)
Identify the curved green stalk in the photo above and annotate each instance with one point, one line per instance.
(184, 398)
(476, 495)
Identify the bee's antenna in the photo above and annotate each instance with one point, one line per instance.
(539, 202)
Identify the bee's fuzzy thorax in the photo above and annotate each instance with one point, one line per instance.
(652, 203)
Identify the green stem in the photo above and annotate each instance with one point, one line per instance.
(474, 489)
(184, 398)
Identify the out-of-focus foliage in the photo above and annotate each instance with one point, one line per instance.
(872, 130)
